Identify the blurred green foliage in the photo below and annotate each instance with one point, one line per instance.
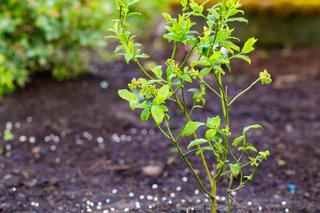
(55, 36)
(48, 35)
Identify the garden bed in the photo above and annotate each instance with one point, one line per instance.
(79, 148)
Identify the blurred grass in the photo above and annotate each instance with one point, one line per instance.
(280, 6)
(280, 23)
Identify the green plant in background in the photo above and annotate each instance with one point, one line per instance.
(236, 160)
(7, 136)
(55, 36)
(48, 36)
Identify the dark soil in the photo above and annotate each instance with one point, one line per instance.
(79, 148)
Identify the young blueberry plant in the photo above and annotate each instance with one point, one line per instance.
(183, 83)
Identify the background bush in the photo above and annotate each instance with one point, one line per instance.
(55, 36)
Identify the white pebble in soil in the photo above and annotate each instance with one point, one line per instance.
(286, 210)
(29, 119)
(114, 191)
(196, 192)
(32, 140)
(138, 205)
(100, 140)
(9, 126)
(22, 138)
(17, 125)
(184, 179)
(8, 147)
(131, 194)
(179, 189)
(133, 131)
(154, 186)
(283, 203)
(144, 131)
(53, 148)
(249, 203)
(115, 138)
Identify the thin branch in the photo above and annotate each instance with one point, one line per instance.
(211, 88)
(244, 91)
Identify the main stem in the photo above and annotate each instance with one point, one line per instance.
(214, 193)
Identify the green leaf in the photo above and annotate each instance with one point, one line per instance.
(197, 142)
(235, 169)
(203, 149)
(248, 46)
(190, 128)
(254, 126)
(163, 94)
(157, 112)
(214, 122)
(157, 71)
(243, 57)
(238, 140)
(129, 96)
(145, 114)
(7, 135)
(210, 134)
(238, 19)
(264, 154)
(184, 3)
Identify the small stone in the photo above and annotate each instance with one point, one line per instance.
(152, 170)
(178, 189)
(114, 191)
(286, 210)
(53, 147)
(22, 138)
(32, 139)
(100, 139)
(196, 192)
(131, 194)
(283, 203)
(116, 138)
(154, 186)
(29, 119)
(185, 179)
(249, 203)
(104, 85)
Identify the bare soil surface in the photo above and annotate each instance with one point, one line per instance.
(79, 148)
